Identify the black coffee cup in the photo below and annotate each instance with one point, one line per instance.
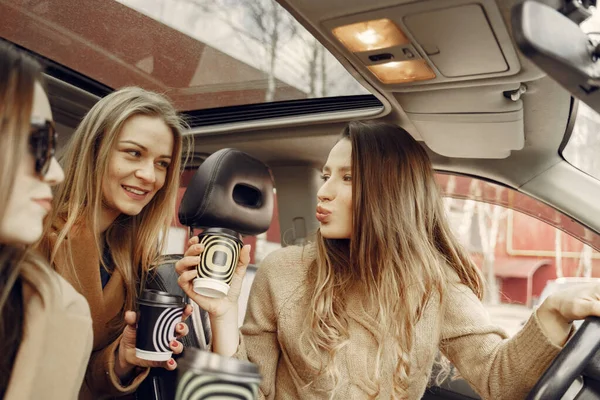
(159, 314)
(218, 261)
(204, 375)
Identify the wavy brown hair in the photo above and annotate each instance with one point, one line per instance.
(395, 200)
(18, 75)
(134, 241)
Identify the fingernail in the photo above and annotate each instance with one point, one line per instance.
(171, 362)
(174, 343)
(180, 327)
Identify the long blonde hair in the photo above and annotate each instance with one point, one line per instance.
(398, 258)
(134, 241)
(18, 74)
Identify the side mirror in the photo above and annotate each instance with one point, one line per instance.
(558, 47)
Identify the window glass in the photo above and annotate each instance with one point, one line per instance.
(201, 53)
(583, 147)
(525, 249)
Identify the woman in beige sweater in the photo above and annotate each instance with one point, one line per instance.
(45, 325)
(362, 312)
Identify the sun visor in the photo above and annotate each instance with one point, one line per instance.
(481, 135)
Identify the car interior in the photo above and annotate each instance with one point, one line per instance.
(492, 89)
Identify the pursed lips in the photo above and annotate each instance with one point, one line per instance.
(322, 213)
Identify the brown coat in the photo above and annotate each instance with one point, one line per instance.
(105, 304)
(57, 339)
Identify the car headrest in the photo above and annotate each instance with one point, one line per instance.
(230, 190)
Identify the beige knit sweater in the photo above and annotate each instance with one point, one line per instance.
(496, 367)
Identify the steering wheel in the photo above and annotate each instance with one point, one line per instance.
(573, 360)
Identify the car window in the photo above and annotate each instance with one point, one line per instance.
(524, 248)
(202, 54)
(583, 146)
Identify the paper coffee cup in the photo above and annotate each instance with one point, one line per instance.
(159, 314)
(218, 261)
(205, 375)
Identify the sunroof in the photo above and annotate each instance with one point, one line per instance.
(202, 54)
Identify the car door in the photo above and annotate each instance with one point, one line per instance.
(522, 247)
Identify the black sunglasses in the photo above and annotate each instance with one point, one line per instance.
(42, 144)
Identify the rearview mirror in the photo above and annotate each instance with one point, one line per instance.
(558, 47)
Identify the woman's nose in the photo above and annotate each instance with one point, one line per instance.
(326, 192)
(55, 174)
(146, 172)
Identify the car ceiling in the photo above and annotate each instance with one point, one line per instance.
(546, 108)
(470, 111)
(474, 104)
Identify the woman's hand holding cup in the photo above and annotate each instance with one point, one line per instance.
(223, 311)
(186, 269)
(125, 358)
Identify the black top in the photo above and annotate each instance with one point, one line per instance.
(108, 261)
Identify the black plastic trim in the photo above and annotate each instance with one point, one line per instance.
(570, 126)
(78, 80)
(290, 108)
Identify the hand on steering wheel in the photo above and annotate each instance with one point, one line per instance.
(560, 309)
(556, 315)
(569, 363)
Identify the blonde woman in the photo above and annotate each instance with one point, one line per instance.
(362, 312)
(45, 325)
(122, 169)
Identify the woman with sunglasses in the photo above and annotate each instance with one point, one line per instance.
(45, 325)
(122, 168)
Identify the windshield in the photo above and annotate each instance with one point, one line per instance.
(202, 54)
(583, 147)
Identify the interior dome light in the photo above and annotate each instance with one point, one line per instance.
(370, 35)
(403, 71)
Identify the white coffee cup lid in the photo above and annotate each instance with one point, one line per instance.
(210, 287)
(153, 355)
